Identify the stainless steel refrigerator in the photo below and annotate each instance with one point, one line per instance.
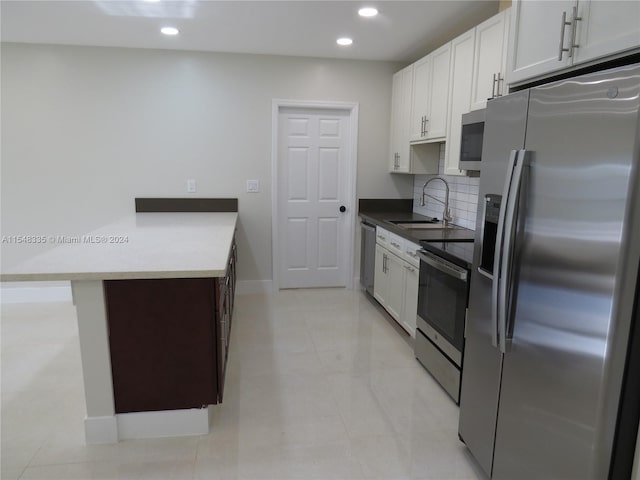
(550, 381)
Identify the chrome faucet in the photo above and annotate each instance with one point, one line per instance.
(446, 214)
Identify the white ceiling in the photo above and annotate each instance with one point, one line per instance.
(403, 30)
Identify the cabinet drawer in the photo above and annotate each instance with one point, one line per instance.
(396, 244)
(382, 236)
(411, 253)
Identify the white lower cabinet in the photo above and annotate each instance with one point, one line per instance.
(396, 285)
(410, 304)
(387, 280)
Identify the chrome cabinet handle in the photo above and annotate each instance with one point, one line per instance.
(563, 24)
(574, 26)
(395, 244)
(411, 269)
(493, 86)
(500, 82)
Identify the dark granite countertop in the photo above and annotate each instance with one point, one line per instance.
(383, 219)
(460, 253)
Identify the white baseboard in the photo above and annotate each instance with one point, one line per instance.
(35, 292)
(166, 423)
(98, 430)
(244, 287)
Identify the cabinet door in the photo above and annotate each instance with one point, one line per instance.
(606, 28)
(395, 286)
(436, 124)
(459, 98)
(535, 37)
(410, 308)
(420, 101)
(379, 276)
(394, 134)
(489, 60)
(400, 119)
(404, 162)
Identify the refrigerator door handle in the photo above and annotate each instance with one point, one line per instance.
(495, 290)
(505, 261)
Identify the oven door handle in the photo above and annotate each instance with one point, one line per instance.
(449, 269)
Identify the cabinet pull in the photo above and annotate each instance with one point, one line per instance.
(499, 92)
(493, 86)
(563, 24)
(574, 27)
(384, 263)
(395, 244)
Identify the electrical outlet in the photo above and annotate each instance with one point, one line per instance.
(191, 186)
(253, 186)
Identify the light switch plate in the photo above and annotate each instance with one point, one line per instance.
(191, 186)
(253, 186)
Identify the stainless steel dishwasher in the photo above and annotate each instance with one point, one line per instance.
(367, 256)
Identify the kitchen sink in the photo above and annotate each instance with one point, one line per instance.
(424, 225)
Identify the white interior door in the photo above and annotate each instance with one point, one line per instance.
(313, 173)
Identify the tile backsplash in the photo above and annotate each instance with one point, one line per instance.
(463, 196)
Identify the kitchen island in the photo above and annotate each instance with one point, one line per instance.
(154, 295)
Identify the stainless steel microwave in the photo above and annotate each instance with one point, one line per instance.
(471, 140)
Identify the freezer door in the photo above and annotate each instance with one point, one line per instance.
(504, 131)
(555, 419)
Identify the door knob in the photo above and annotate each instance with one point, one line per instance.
(343, 208)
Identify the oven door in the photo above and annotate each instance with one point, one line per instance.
(442, 303)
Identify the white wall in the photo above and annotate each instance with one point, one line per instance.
(87, 129)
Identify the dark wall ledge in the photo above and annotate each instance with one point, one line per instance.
(186, 205)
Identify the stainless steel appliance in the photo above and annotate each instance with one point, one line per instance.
(367, 256)
(443, 291)
(471, 140)
(551, 369)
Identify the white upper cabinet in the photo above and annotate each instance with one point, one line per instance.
(606, 27)
(535, 38)
(420, 102)
(490, 60)
(436, 124)
(430, 91)
(547, 36)
(400, 119)
(461, 73)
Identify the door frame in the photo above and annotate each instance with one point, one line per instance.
(352, 160)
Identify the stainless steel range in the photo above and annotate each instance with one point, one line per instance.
(442, 302)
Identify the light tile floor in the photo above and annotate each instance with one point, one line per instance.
(320, 385)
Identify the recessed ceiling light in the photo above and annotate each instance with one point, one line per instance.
(368, 12)
(169, 30)
(344, 41)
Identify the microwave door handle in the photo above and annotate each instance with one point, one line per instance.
(507, 251)
(495, 290)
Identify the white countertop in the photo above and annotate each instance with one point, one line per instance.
(141, 245)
